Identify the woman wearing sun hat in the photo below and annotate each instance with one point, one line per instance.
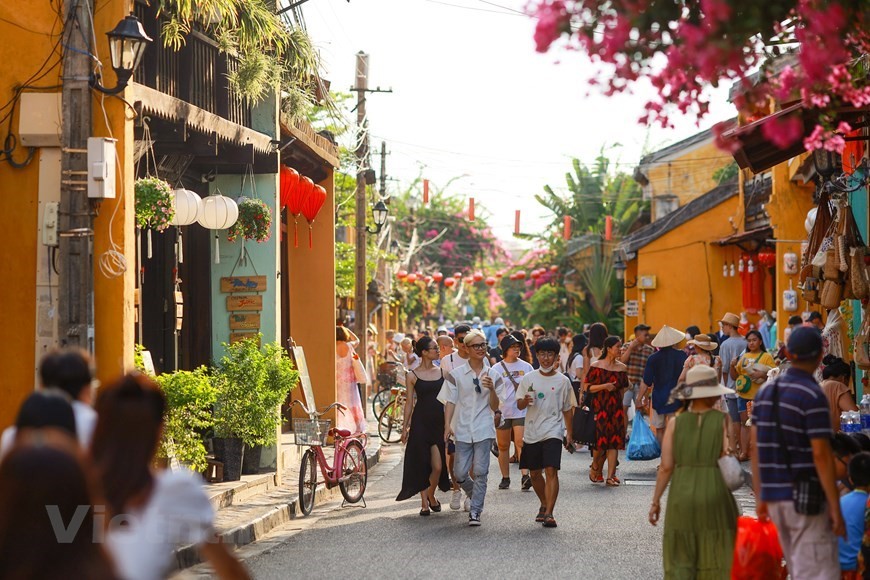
(703, 355)
(701, 516)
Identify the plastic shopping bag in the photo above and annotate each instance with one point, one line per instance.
(642, 445)
(757, 553)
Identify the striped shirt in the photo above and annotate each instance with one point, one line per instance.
(803, 415)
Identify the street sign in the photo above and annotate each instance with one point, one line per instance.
(631, 308)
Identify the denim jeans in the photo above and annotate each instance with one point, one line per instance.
(473, 457)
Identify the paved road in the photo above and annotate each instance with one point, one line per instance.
(602, 533)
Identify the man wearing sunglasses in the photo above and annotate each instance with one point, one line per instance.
(472, 394)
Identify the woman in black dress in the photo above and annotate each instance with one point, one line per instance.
(424, 431)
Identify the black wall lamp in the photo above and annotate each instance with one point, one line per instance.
(127, 42)
(619, 267)
(379, 214)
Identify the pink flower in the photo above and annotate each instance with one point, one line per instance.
(783, 131)
(552, 22)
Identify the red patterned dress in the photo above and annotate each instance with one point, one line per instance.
(607, 406)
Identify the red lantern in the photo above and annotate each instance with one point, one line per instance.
(450, 282)
(411, 278)
(427, 280)
(425, 191)
(521, 275)
(535, 274)
(312, 207)
(469, 280)
(767, 258)
(554, 268)
(402, 274)
(471, 209)
(490, 281)
(289, 182)
(608, 228)
(478, 276)
(437, 276)
(296, 203)
(457, 275)
(499, 274)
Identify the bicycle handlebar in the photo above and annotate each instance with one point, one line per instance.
(314, 413)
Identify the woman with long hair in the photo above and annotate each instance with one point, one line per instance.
(701, 517)
(512, 371)
(836, 375)
(702, 354)
(595, 346)
(606, 380)
(424, 468)
(525, 353)
(161, 509)
(750, 372)
(44, 479)
(346, 386)
(575, 365)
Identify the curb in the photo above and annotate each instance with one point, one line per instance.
(280, 514)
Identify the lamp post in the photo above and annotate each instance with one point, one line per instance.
(379, 214)
(620, 268)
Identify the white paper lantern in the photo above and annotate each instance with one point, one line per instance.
(187, 204)
(811, 219)
(217, 212)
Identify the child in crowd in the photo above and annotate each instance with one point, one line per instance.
(854, 508)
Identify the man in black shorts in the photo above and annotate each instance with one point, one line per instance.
(549, 401)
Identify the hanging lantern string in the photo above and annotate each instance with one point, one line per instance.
(243, 261)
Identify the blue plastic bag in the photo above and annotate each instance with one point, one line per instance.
(642, 445)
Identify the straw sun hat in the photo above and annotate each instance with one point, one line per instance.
(701, 382)
(703, 342)
(668, 336)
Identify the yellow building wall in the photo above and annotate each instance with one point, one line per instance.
(688, 176)
(26, 31)
(690, 288)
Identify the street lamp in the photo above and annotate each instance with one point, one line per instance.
(825, 162)
(379, 214)
(127, 42)
(620, 268)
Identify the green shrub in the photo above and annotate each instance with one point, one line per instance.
(190, 396)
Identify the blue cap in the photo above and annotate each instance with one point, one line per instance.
(804, 343)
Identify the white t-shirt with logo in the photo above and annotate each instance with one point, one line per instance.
(517, 369)
(553, 396)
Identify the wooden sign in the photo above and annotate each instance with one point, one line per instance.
(252, 302)
(243, 284)
(244, 321)
(239, 336)
(631, 308)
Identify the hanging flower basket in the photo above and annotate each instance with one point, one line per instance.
(154, 204)
(254, 223)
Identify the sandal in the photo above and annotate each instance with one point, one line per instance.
(542, 513)
(613, 482)
(595, 476)
(549, 521)
(424, 512)
(435, 507)
(513, 459)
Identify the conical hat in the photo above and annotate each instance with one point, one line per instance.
(668, 336)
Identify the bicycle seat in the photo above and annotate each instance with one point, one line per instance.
(339, 433)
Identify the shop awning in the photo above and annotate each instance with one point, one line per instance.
(756, 237)
(758, 154)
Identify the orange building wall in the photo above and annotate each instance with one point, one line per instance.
(688, 269)
(688, 176)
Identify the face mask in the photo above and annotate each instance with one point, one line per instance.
(548, 369)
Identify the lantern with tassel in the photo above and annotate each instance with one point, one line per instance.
(289, 182)
(311, 208)
(471, 209)
(517, 222)
(296, 203)
(217, 212)
(425, 191)
(186, 204)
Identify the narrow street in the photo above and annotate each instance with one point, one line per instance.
(602, 533)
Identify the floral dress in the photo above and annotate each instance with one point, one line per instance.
(607, 407)
(347, 393)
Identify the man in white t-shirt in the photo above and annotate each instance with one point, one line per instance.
(548, 399)
(455, 359)
(512, 370)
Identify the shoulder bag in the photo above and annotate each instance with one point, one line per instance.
(732, 473)
(806, 492)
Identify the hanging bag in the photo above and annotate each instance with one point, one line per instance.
(583, 424)
(730, 468)
(642, 445)
(862, 342)
(757, 552)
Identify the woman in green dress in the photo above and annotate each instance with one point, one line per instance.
(701, 516)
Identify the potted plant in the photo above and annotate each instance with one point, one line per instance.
(155, 207)
(251, 383)
(190, 396)
(254, 223)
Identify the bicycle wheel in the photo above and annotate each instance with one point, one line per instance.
(354, 472)
(379, 401)
(390, 423)
(307, 482)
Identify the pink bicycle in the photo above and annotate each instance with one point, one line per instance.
(348, 470)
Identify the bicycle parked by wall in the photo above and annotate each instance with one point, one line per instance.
(348, 470)
(388, 377)
(391, 421)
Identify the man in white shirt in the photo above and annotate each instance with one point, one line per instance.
(548, 399)
(472, 392)
(450, 361)
(445, 348)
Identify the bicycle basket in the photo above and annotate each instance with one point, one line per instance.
(310, 432)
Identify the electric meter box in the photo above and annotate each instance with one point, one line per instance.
(39, 119)
(101, 168)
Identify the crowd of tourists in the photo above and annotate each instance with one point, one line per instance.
(82, 497)
(474, 388)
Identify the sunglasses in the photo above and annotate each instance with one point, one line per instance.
(476, 385)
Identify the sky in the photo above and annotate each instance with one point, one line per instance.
(471, 97)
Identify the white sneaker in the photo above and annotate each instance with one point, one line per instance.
(467, 505)
(456, 500)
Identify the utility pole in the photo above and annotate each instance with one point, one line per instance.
(75, 219)
(361, 87)
(383, 190)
